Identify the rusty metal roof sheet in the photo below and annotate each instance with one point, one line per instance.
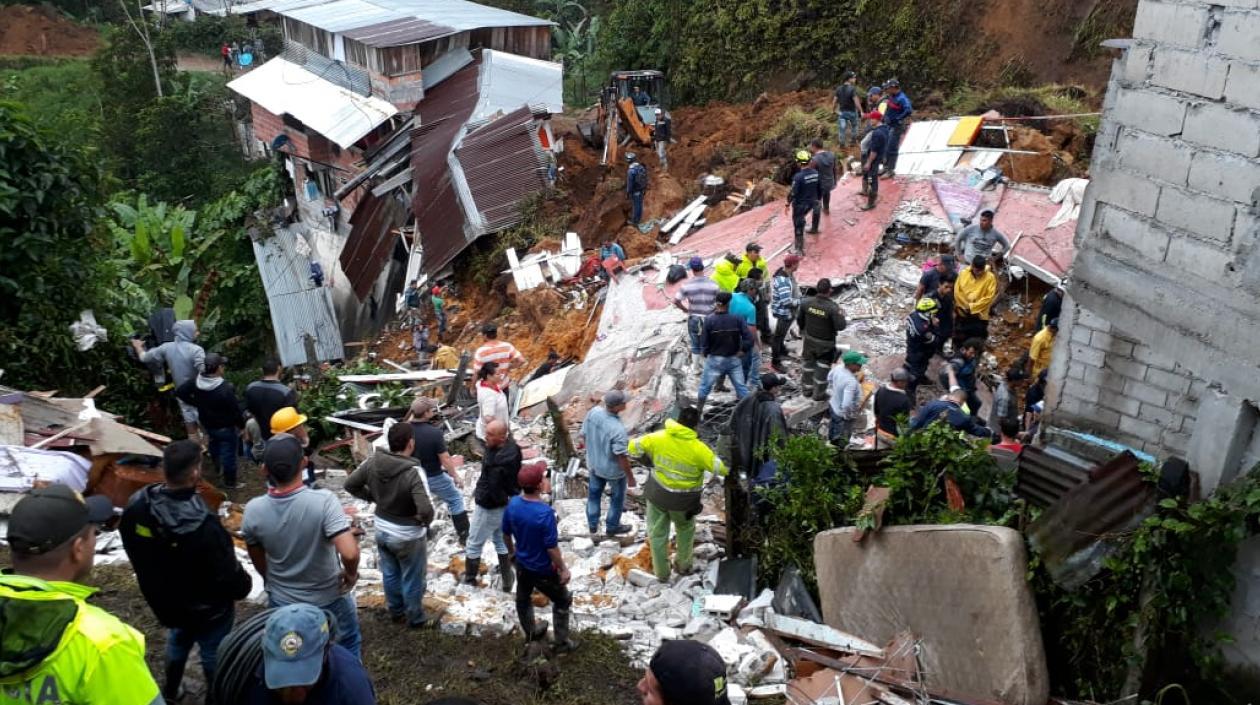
(503, 163)
(371, 240)
(302, 314)
(1046, 474)
(1076, 533)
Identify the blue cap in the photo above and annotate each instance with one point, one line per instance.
(696, 263)
(293, 646)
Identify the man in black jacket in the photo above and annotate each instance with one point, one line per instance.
(758, 421)
(267, 395)
(495, 486)
(403, 513)
(185, 563)
(219, 413)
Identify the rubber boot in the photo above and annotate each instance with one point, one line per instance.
(506, 572)
(870, 203)
(472, 566)
(460, 521)
(172, 690)
(564, 643)
(534, 630)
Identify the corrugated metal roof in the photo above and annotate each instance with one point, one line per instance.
(509, 81)
(445, 66)
(925, 148)
(371, 240)
(1044, 475)
(458, 15)
(282, 87)
(300, 311)
(394, 33)
(503, 163)
(272, 5)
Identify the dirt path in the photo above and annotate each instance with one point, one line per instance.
(200, 62)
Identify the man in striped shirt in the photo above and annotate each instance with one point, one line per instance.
(497, 351)
(699, 293)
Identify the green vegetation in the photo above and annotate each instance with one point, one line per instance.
(208, 33)
(65, 93)
(794, 129)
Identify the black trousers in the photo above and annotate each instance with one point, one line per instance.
(799, 213)
(968, 326)
(778, 348)
(823, 206)
(548, 584)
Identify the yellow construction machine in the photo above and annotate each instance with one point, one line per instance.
(624, 113)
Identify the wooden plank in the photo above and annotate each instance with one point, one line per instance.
(682, 214)
(156, 437)
(92, 394)
(354, 424)
(687, 225)
(820, 635)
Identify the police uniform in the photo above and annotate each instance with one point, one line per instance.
(820, 319)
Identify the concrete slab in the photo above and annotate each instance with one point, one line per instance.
(960, 588)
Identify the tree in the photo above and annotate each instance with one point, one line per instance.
(127, 88)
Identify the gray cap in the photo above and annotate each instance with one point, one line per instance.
(613, 398)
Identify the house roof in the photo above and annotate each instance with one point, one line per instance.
(371, 240)
(299, 310)
(284, 88)
(503, 164)
(397, 22)
(509, 81)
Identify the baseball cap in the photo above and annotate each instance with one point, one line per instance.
(422, 407)
(892, 83)
(874, 115)
(614, 397)
(752, 247)
(723, 297)
(696, 263)
(50, 516)
(690, 672)
(853, 357)
(283, 453)
(293, 646)
(770, 381)
(792, 260)
(531, 475)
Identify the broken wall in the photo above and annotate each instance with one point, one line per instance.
(1161, 348)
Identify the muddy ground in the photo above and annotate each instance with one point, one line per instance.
(40, 30)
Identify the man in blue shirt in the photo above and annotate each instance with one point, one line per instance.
(950, 411)
(529, 525)
(636, 186)
(877, 147)
(895, 116)
(743, 308)
(804, 196)
(606, 459)
(723, 338)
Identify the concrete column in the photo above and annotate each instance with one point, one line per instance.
(1221, 433)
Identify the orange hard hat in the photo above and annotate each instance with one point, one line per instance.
(286, 420)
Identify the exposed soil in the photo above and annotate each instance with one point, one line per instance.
(39, 30)
(1036, 40)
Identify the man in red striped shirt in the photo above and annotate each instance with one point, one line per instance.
(498, 351)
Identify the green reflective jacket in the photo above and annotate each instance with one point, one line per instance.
(679, 458)
(56, 648)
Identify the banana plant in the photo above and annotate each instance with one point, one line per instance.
(158, 240)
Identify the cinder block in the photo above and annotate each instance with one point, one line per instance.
(1190, 72)
(1095, 376)
(1131, 192)
(1153, 357)
(1215, 125)
(1132, 231)
(1169, 23)
(1176, 382)
(1239, 30)
(1198, 258)
(1176, 443)
(1089, 319)
(1085, 392)
(1146, 392)
(1087, 355)
(1159, 415)
(1243, 86)
(1196, 213)
(1144, 430)
(1162, 158)
(1120, 403)
(1100, 340)
(1136, 66)
(1148, 111)
(1225, 175)
(1127, 368)
(1081, 334)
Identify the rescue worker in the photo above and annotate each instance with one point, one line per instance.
(680, 461)
(820, 320)
(877, 146)
(1051, 305)
(961, 372)
(803, 197)
(949, 410)
(288, 420)
(660, 137)
(921, 332)
(974, 293)
(725, 274)
(944, 296)
(752, 260)
(55, 647)
(1042, 346)
(640, 97)
(896, 114)
(636, 186)
(824, 163)
(186, 359)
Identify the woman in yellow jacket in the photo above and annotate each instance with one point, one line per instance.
(680, 461)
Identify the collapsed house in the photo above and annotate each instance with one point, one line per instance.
(409, 128)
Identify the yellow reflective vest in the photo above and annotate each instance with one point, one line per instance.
(57, 648)
(679, 458)
(746, 265)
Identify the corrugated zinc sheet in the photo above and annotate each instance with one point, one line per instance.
(1076, 534)
(411, 30)
(459, 15)
(282, 87)
(440, 220)
(1046, 474)
(509, 81)
(301, 313)
(371, 240)
(503, 163)
(444, 67)
(344, 15)
(925, 148)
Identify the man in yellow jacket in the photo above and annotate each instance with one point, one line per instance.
(1042, 345)
(680, 461)
(55, 647)
(973, 300)
(725, 273)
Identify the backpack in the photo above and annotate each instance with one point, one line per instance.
(638, 177)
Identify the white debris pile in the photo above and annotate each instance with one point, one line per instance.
(914, 216)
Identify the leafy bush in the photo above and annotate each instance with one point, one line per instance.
(916, 469)
(794, 130)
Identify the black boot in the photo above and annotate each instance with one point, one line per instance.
(564, 643)
(506, 572)
(460, 521)
(870, 203)
(172, 690)
(472, 566)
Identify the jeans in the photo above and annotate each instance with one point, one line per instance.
(443, 487)
(403, 565)
(179, 643)
(894, 147)
(847, 122)
(658, 521)
(636, 207)
(695, 327)
(595, 496)
(839, 430)
(346, 611)
(224, 443)
(441, 321)
(752, 368)
(778, 349)
(717, 366)
(487, 524)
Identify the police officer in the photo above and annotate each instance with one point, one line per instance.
(921, 342)
(820, 319)
(803, 197)
(877, 147)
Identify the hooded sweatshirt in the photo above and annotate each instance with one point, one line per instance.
(185, 358)
(393, 481)
(183, 557)
(679, 462)
(215, 399)
(725, 276)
